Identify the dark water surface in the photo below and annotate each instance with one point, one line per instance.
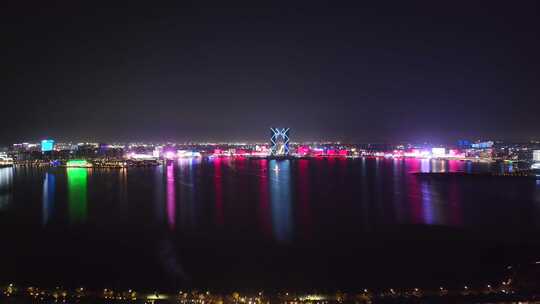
(224, 223)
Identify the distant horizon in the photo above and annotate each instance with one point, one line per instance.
(391, 142)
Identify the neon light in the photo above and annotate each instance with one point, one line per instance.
(187, 154)
(138, 156)
(169, 154)
(302, 150)
(483, 145)
(279, 140)
(78, 163)
(47, 145)
(317, 152)
(240, 152)
(157, 151)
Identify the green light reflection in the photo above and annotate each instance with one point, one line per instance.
(77, 183)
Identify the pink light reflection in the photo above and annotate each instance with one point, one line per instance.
(218, 192)
(304, 199)
(264, 201)
(414, 192)
(171, 197)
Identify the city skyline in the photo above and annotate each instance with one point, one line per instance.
(265, 141)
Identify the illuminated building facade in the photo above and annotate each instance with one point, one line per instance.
(482, 145)
(78, 163)
(279, 141)
(536, 156)
(47, 145)
(5, 160)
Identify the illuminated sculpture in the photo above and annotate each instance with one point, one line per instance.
(280, 141)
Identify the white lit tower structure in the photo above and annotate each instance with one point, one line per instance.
(279, 141)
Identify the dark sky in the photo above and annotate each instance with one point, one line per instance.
(387, 71)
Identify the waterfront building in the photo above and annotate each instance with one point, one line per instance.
(536, 156)
(483, 145)
(5, 160)
(78, 163)
(47, 145)
(26, 147)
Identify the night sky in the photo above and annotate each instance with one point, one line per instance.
(388, 71)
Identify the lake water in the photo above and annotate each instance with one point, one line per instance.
(270, 224)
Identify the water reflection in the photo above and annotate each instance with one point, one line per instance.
(171, 197)
(77, 194)
(48, 197)
(425, 165)
(377, 189)
(159, 201)
(536, 202)
(414, 194)
(6, 181)
(280, 199)
(397, 174)
(264, 203)
(365, 197)
(218, 188)
(427, 203)
(468, 167)
(440, 165)
(304, 198)
(122, 185)
(454, 165)
(433, 203)
(187, 192)
(286, 198)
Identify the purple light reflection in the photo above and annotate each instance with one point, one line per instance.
(171, 197)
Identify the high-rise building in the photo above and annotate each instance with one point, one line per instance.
(536, 155)
(47, 145)
(279, 141)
